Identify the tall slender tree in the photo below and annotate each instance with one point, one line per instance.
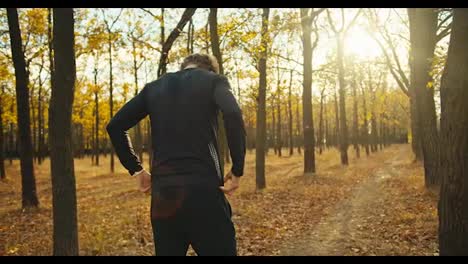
(261, 108)
(110, 46)
(60, 126)
(308, 17)
(2, 158)
(214, 39)
(28, 181)
(340, 34)
(290, 115)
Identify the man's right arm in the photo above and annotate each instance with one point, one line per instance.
(233, 123)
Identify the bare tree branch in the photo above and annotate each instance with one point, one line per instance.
(353, 20)
(156, 17)
(330, 21)
(444, 33)
(442, 22)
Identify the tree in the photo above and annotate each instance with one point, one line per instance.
(356, 135)
(261, 109)
(61, 154)
(2, 158)
(320, 137)
(111, 38)
(136, 36)
(365, 125)
(214, 39)
(340, 37)
(290, 115)
(373, 87)
(298, 125)
(423, 39)
(308, 16)
(96, 116)
(40, 116)
(167, 45)
(337, 118)
(28, 181)
(453, 204)
(396, 69)
(279, 138)
(95, 41)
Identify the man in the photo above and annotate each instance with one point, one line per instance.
(188, 205)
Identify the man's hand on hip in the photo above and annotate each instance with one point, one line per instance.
(235, 181)
(143, 181)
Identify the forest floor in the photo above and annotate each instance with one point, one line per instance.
(375, 206)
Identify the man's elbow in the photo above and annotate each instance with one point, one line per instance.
(111, 128)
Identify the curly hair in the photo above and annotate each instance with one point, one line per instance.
(204, 61)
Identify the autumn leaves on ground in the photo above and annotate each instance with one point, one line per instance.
(376, 206)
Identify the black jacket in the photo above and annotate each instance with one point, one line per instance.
(183, 108)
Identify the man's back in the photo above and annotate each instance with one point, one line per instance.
(188, 205)
(183, 122)
(183, 109)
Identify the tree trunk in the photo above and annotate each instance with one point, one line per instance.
(342, 94)
(214, 39)
(51, 65)
(192, 34)
(50, 43)
(261, 110)
(2, 158)
(189, 35)
(273, 128)
(111, 97)
(163, 28)
(320, 133)
(10, 139)
(365, 128)
(279, 138)
(382, 132)
(290, 115)
(307, 116)
(453, 204)
(355, 122)
(326, 132)
(93, 142)
(33, 122)
(40, 125)
(60, 121)
(40, 117)
(207, 42)
(167, 45)
(298, 126)
(96, 126)
(423, 29)
(337, 122)
(28, 181)
(374, 134)
(138, 139)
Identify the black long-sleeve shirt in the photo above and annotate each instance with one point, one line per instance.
(183, 108)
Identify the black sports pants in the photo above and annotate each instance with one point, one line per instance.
(197, 216)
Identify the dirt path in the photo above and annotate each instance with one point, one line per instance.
(343, 231)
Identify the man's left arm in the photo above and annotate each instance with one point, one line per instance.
(127, 117)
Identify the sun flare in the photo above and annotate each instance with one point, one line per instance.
(359, 43)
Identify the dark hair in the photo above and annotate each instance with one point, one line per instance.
(205, 61)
